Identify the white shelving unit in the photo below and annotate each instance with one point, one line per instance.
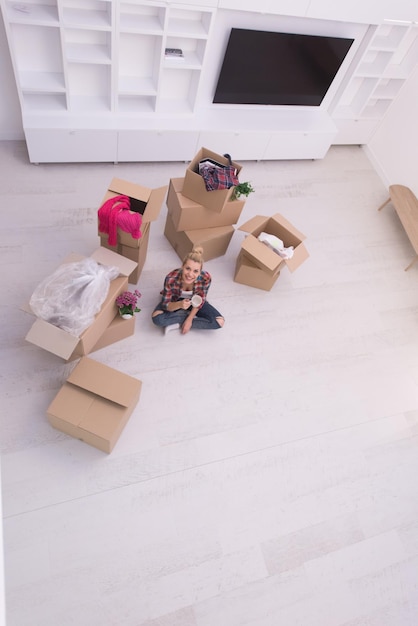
(387, 61)
(98, 55)
(95, 84)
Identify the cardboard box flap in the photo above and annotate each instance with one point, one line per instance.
(152, 199)
(261, 254)
(104, 256)
(288, 226)
(105, 381)
(155, 202)
(51, 338)
(256, 223)
(299, 256)
(125, 188)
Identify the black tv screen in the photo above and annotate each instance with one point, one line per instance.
(261, 67)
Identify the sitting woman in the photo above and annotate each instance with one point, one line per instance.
(183, 304)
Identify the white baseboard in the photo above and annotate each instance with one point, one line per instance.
(12, 135)
(377, 166)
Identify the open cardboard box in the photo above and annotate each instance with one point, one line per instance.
(146, 201)
(138, 254)
(214, 241)
(186, 214)
(194, 185)
(95, 404)
(263, 256)
(67, 346)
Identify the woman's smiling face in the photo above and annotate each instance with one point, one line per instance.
(190, 271)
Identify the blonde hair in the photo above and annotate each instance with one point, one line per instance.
(195, 255)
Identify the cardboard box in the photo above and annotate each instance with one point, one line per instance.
(187, 214)
(194, 185)
(117, 330)
(147, 202)
(67, 346)
(94, 404)
(247, 273)
(214, 241)
(261, 255)
(138, 254)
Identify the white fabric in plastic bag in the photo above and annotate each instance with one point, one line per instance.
(277, 245)
(71, 297)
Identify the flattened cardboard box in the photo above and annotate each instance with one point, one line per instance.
(194, 185)
(214, 241)
(187, 214)
(263, 256)
(138, 254)
(95, 404)
(67, 346)
(247, 273)
(146, 201)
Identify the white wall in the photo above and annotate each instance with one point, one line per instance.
(10, 118)
(393, 148)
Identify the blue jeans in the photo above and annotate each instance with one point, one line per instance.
(205, 319)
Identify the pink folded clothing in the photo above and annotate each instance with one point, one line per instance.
(115, 213)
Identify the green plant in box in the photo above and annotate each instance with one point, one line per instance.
(243, 189)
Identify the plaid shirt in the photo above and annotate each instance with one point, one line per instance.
(171, 291)
(218, 177)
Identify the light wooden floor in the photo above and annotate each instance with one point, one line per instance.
(268, 476)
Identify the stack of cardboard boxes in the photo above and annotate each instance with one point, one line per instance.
(148, 203)
(197, 217)
(96, 401)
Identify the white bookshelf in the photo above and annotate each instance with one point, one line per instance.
(385, 64)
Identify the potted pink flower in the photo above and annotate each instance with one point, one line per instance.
(127, 303)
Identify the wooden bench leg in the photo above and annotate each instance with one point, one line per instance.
(411, 263)
(384, 204)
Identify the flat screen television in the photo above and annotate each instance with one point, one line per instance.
(261, 67)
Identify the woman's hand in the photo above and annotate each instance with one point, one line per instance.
(186, 303)
(187, 324)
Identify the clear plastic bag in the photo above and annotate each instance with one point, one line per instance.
(71, 297)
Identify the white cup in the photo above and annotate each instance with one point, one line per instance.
(196, 300)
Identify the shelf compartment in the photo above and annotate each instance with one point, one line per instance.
(136, 104)
(374, 63)
(376, 109)
(45, 13)
(39, 82)
(178, 90)
(89, 87)
(388, 37)
(388, 88)
(405, 59)
(87, 14)
(139, 61)
(189, 23)
(139, 18)
(193, 50)
(44, 102)
(357, 94)
(37, 48)
(88, 46)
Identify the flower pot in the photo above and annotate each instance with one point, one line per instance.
(126, 316)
